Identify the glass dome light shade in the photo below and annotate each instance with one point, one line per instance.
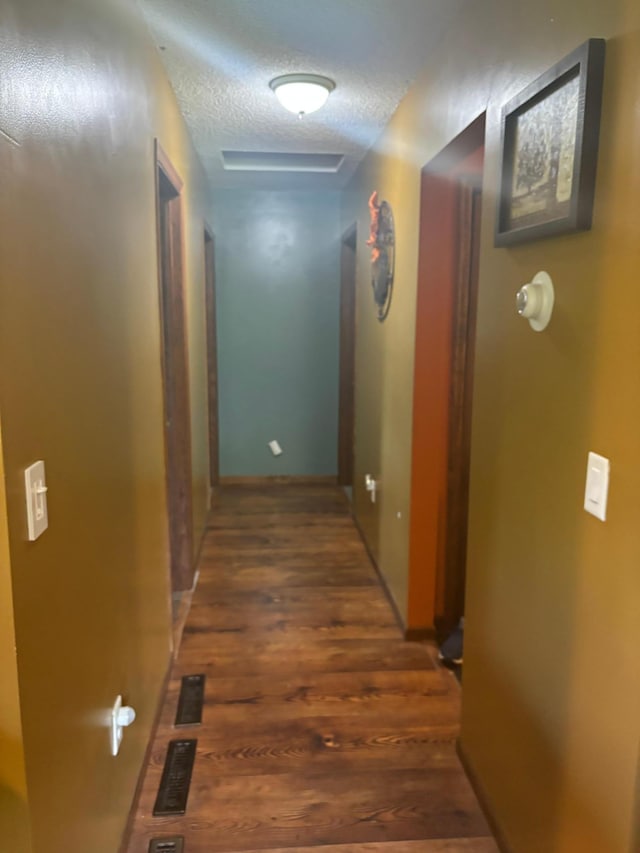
(302, 93)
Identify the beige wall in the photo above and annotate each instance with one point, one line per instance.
(384, 356)
(84, 94)
(551, 711)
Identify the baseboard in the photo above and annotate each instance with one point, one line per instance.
(287, 480)
(198, 550)
(411, 635)
(381, 577)
(482, 798)
(128, 830)
(178, 623)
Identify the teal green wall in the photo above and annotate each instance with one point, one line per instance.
(278, 300)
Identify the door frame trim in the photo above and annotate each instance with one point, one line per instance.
(181, 536)
(347, 362)
(212, 359)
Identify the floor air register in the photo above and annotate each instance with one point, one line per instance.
(173, 792)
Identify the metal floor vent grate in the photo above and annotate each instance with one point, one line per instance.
(191, 700)
(167, 845)
(176, 778)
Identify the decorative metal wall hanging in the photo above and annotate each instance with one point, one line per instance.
(383, 253)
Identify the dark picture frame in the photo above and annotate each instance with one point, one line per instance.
(550, 135)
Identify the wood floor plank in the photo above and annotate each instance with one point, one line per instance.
(241, 812)
(255, 574)
(323, 745)
(409, 698)
(440, 845)
(284, 654)
(316, 603)
(279, 520)
(337, 610)
(446, 845)
(319, 599)
(322, 728)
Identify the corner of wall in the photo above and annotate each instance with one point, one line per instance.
(14, 811)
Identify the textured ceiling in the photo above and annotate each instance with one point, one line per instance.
(221, 54)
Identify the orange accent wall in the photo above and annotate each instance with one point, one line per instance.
(436, 275)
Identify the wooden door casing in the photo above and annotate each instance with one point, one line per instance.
(212, 357)
(347, 357)
(451, 577)
(175, 373)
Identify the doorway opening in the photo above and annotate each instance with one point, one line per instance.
(175, 372)
(347, 357)
(212, 356)
(451, 195)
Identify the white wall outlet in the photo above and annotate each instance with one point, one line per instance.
(35, 486)
(121, 716)
(371, 486)
(275, 448)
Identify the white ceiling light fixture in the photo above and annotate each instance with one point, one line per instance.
(302, 93)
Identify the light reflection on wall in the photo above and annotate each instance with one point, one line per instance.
(47, 92)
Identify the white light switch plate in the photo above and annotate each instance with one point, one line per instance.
(597, 486)
(121, 717)
(115, 729)
(36, 496)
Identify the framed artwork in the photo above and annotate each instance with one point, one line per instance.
(550, 150)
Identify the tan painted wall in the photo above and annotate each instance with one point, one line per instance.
(551, 712)
(84, 94)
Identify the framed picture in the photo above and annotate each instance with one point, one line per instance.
(550, 150)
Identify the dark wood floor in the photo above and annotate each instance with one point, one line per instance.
(321, 728)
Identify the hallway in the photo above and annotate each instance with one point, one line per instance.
(321, 726)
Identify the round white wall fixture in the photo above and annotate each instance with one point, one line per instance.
(534, 301)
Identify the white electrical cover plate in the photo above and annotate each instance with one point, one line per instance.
(597, 487)
(115, 729)
(36, 496)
